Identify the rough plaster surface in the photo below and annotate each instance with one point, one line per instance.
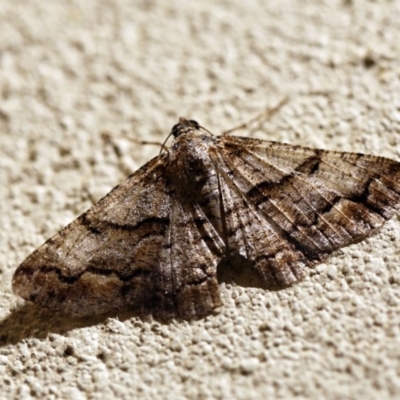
(72, 71)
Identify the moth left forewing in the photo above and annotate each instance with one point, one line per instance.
(322, 200)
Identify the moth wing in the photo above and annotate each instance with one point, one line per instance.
(127, 251)
(316, 200)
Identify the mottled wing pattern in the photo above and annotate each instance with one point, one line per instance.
(136, 247)
(316, 200)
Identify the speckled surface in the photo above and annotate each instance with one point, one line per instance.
(72, 71)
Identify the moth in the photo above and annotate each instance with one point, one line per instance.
(154, 242)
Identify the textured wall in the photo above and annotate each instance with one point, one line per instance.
(72, 71)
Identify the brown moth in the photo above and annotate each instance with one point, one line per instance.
(154, 242)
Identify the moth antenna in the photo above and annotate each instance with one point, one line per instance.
(267, 114)
(165, 141)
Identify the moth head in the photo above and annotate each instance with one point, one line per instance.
(184, 126)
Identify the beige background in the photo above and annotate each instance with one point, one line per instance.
(72, 70)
